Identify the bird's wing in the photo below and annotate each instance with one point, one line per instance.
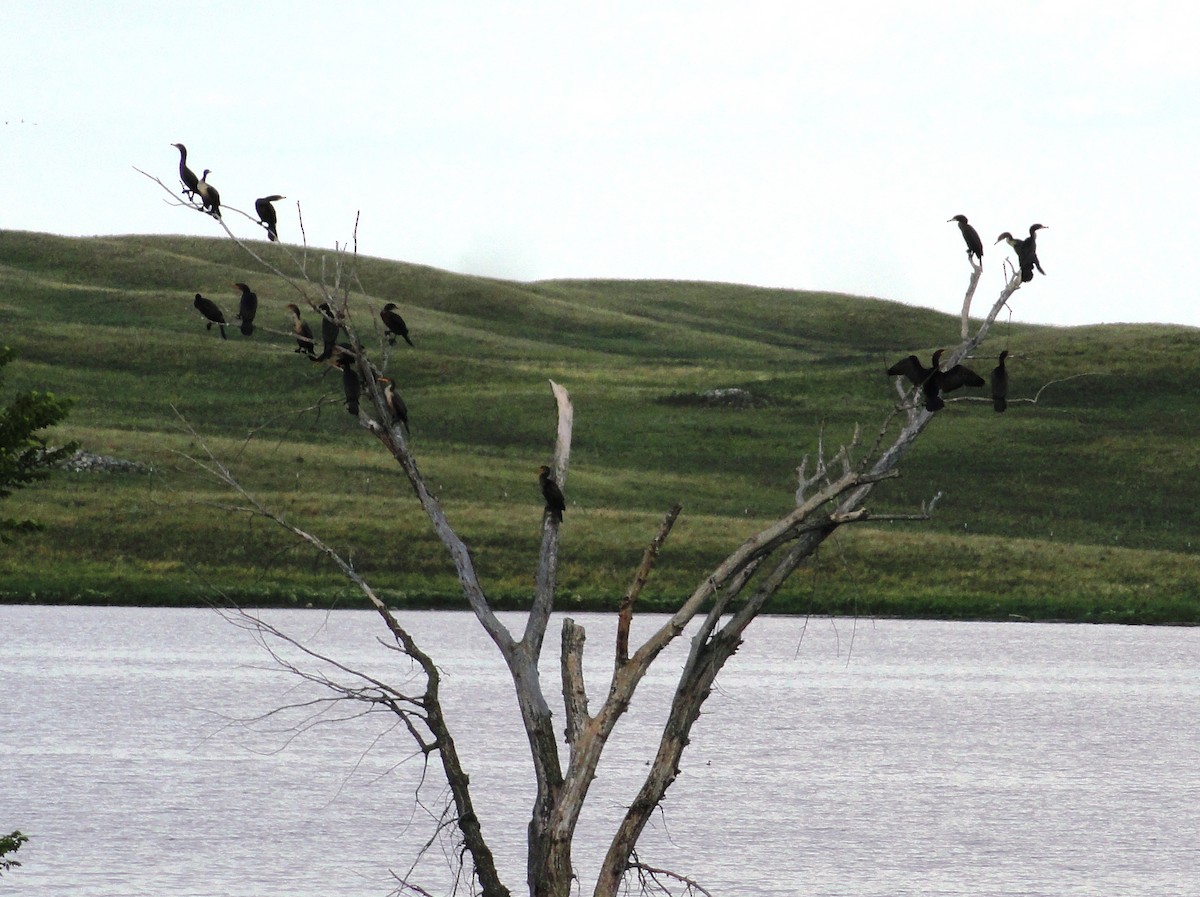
(911, 368)
(959, 376)
(974, 243)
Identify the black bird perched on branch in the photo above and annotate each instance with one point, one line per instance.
(934, 380)
(247, 308)
(1026, 251)
(304, 334)
(329, 330)
(211, 313)
(191, 184)
(267, 216)
(556, 505)
(971, 236)
(1032, 242)
(344, 353)
(1000, 384)
(394, 323)
(209, 196)
(395, 403)
(351, 385)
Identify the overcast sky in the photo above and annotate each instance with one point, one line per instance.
(815, 146)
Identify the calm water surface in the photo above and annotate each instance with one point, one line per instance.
(139, 751)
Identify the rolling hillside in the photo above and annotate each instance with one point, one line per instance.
(1084, 506)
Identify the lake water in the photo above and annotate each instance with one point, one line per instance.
(139, 752)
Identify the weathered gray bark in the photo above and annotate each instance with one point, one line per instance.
(976, 270)
(549, 870)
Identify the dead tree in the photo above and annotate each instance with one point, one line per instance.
(725, 601)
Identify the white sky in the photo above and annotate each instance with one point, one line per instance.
(806, 145)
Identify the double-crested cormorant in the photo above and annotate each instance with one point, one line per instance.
(974, 244)
(1000, 384)
(267, 216)
(1032, 241)
(934, 380)
(1024, 260)
(556, 505)
(394, 323)
(351, 385)
(208, 194)
(1026, 251)
(395, 402)
(211, 313)
(247, 309)
(345, 354)
(188, 177)
(304, 334)
(329, 330)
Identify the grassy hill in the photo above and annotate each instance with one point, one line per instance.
(1083, 506)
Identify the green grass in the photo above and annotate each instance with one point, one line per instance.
(1084, 506)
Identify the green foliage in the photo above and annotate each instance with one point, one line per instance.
(24, 457)
(10, 844)
(1088, 497)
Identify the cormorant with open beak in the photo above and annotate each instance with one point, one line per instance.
(556, 505)
(209, 196)
(304, 334)
(191, 184)
(247, 308)
(394, 324)
(971, 236)
(933, 380)
(267, 216)
(330, 326)
(395, 403)
(1000, 384)
(211, 313)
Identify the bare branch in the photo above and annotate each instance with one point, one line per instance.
(649, 877)
(244, 246)
(574, 689)
(976, 270)
(547, 574)
(456, 776)
(625, 613)
(1038, 395)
